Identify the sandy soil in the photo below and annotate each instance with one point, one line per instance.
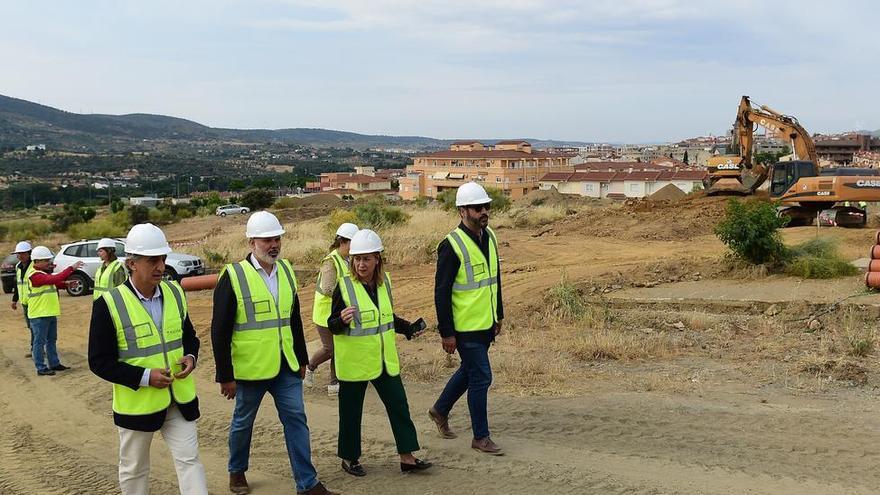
(726, 429)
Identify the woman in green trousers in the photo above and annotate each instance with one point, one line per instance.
(363, 324)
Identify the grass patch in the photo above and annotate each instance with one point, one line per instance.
(565, 301)
(818, 258)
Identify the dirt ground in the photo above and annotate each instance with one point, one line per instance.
(722, 391)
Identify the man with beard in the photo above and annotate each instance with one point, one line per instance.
(258, 342)
(467, 293)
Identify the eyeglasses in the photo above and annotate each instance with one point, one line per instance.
(479, 208)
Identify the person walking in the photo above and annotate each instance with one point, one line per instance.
(44, 308)
(20, 289)
(467, 294)
(141, 340)
(111, 273)
(258, 342)
(363, 325)
(333, 267)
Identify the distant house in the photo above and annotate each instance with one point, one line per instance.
(621, 184)
(147, 201)
(35, 147)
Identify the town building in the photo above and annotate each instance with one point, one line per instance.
(352, 183)
(841, 148)
(512, 167)
(622, 184)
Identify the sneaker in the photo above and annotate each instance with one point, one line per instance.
(309, 380)
(333, 390)
(45, 372)
(60, 367)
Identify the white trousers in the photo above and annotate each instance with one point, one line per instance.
(181, 436)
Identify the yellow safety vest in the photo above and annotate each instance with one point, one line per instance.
(21, 281)
(262, 324)
(368, 343)
(321, 309)
(475, 289)
(104, 278)
(42, 301)
(142, 343)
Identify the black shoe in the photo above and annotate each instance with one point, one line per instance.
(45, 372)
(420, 465)
(353, 468)
(60, 367)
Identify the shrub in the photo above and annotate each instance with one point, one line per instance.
(17, 230)
(70, 215)
(376, 215)
(565, 300)
(750, 230)
(215, 258)
(286, 202)
(138, 214)
(257, 199)
(338, 217)
(160, 216)
(818, 258)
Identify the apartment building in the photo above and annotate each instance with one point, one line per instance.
(350, 183)
(622, 184)
(510, 166)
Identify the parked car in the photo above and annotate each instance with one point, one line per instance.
(177, 265)
(7, 273)
(232, 210)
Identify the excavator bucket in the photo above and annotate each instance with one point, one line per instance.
(727, 186)
(753, 178)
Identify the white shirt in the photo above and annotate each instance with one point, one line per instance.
(271, 279)
(154, 307)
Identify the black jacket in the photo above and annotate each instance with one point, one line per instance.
(20, 269)
(104, 362)
(447, 268)
(225, 306)
(337, 326)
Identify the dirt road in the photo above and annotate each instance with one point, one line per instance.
(58, 436)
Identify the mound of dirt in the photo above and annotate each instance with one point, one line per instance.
(328, 200)
(669, 192)
(552, 197)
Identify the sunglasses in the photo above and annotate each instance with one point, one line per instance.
(479, 208)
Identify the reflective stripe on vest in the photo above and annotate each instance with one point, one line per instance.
(147, 344)
(104, 278)
(261, 330)
(323, 304)
(42, 301)
(368, 345)
(475, 289)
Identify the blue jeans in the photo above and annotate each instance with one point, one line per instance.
(45, 332)
(474, 377)
(286, 390)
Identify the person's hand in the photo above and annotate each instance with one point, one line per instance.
(79, 264)
(160, 378)
(448, 344)
(227, 389)
(347, 314)
(302, 372)
(188, 367)
(14, 305)
(497, 328)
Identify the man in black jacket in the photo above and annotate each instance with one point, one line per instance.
(23, 253)
(141, 311)
(259, 347)
(474, 261)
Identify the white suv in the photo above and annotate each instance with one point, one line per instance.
(177, 265)
(231, 210)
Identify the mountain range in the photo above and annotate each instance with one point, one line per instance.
(23, 123)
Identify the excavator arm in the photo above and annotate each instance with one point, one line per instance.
(748, 117)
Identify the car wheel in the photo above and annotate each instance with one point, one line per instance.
(8, 286)
(243, 211)
(170, 275)
(222, 213)
(77, 285)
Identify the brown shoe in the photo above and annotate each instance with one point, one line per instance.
(486, 446)
(442, 423)
(238, 484)
(318, 489)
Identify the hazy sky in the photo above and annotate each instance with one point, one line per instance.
(592, 70)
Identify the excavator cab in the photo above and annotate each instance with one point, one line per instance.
(786, 174)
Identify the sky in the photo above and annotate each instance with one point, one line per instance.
(588, 70)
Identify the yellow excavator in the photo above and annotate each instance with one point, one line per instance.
(805, 191)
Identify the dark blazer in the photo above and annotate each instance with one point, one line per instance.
(225, 306)
(104, 362)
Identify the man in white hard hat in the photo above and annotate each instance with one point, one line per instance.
(141, 340)
(111, 273)
(334, 266)
(467, 294)
(44, 308)
(19, 291)
(259, 347)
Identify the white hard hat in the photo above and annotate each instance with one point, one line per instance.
(347, 230)
(146, 239)
(471, 193)
(263, 224)
(364, 242)
(106, 243)
(22, 247)
(41, 253)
